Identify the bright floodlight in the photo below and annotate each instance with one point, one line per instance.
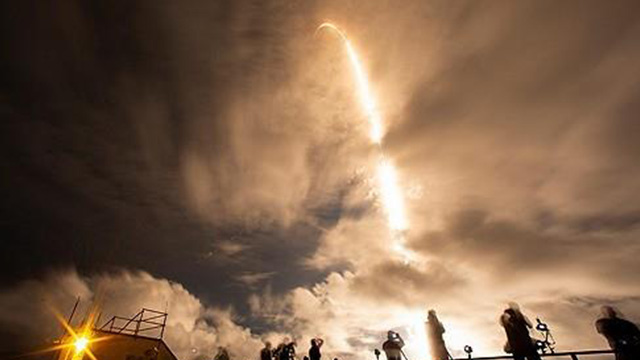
(81, 344)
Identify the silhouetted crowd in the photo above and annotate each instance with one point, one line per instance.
(623, 337)
(287, 351)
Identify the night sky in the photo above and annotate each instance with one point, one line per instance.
(211, 158)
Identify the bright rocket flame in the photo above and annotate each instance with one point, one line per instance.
(388, 182)
(417, 343)
(391, 196)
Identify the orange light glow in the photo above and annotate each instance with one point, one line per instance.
(76, 344)
(80, 344)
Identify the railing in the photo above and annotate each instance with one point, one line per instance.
(154, 320)
(573, 355)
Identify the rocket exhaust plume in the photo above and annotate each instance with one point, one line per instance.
(390, 191)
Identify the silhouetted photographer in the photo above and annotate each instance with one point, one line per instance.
(314, 351)
(519, 342)
(623, 335)
(393, 346)
(285, 351)
(289, 351)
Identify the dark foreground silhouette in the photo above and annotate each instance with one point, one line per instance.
(519, 342)
(393, 346)
(623, 335)
(314, 351)
(435, 331)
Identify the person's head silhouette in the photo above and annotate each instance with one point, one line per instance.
(609, 312)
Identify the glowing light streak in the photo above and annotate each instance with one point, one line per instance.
(364, 91)
(390, 191)
(392, 196)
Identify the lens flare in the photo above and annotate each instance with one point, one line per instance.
(390, 190)
(75, 344)
(80, 344)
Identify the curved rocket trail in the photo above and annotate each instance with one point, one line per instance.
(390, 191)
(366, 98)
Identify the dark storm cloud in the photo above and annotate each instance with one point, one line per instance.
(103, 105)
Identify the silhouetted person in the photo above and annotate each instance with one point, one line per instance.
(623, 335)
(278, 351)
(519, 342)
(266, 353)
(393, 346)
(435, 330)
(288, 351)
(222, 354)
(314, 351)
